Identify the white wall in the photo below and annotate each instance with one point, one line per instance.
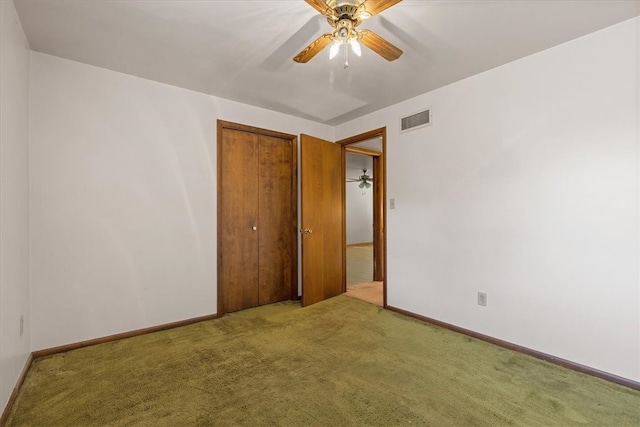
(525, 187)
(14, 199)
(124, 199)
(359, 210)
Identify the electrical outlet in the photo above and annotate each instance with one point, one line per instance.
(21, 325)
(482, 299)
(392, 203)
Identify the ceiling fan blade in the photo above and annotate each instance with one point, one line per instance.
(376, 6)
(380, 45)
(318, 5)
(312, 50)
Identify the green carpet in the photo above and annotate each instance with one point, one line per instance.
(342, 362)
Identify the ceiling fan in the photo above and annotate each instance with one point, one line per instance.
(345, 16)
(364, 180)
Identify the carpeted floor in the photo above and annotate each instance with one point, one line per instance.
(342, 362)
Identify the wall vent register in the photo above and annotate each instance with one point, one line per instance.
(415, 121)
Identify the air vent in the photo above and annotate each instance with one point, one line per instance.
(415, 121)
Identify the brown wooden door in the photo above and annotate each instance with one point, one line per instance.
(321, 219)
(257, 217)
(276, 220)
(238, 241)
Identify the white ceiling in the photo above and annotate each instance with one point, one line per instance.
(243, 49)
(355, 164)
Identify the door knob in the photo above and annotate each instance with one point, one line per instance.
(254, 228)
(306, 231)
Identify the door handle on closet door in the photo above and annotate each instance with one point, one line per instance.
(306, 231)
(254, 228)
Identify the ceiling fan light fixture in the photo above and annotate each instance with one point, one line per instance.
(355, 46)
(335, 48)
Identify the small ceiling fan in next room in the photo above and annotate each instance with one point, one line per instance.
(364, 180)
(345, 16)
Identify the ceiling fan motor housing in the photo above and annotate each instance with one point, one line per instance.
(334, 4)
(344, 17)
(346, 12)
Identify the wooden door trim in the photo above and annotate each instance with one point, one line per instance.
(363, 151)
(372, 134)
(221, 126)
(379, 196)
(252, 129)
(380, 269)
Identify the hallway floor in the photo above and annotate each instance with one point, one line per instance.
(360, 282)
(370, 292)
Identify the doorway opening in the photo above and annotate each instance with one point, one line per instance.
(364, 238)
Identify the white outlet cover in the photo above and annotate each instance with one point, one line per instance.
(482, 299)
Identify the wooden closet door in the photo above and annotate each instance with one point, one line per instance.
(257, 217)
(238, 192)
(275, 219)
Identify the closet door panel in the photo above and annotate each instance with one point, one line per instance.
(275, 219)
(239, 219)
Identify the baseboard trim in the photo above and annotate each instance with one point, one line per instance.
(530, 352)
(74, 346)
(16, 389)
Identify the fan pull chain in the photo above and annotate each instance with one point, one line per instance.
(346, 56)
